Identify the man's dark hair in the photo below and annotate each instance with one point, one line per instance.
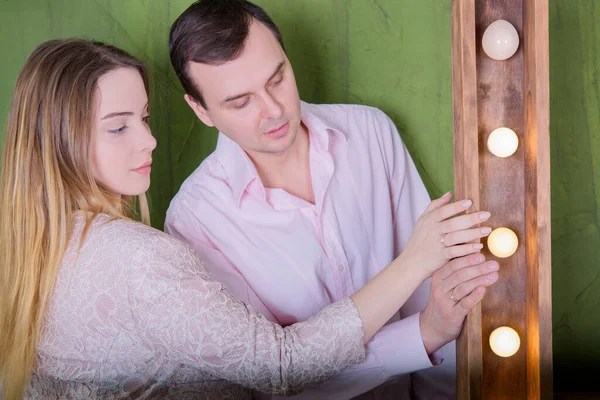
(212, 32)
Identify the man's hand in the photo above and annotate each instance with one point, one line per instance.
(456, 288)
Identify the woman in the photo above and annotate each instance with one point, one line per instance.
(95, 304)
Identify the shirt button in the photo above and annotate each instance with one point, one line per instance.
(341, 267)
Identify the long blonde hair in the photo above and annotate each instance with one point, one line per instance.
(46, 178)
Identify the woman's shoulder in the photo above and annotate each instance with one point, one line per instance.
(130, 238)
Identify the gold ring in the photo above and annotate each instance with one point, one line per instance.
(452, 295)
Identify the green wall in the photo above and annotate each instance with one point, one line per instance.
(575, 155)
(393, 54)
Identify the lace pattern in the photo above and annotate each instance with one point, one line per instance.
(137, 314)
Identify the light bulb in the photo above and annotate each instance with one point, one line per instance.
(503, 142)
(500, 40)
(502, 242)
(505, 341)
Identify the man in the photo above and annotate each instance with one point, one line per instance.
(300, 205)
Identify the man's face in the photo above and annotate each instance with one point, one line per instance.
(254, 99)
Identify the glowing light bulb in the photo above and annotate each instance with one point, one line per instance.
(502, 242)
(505, 341)
(503, 142)
(500, 40)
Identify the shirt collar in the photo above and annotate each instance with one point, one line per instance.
(241, 171)
(237, 165)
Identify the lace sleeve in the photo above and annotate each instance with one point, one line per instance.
(181, 312)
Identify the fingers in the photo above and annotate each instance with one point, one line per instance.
(464, 221)
(437, 203)
(465, 288)
(469, 273)
(469, 302)
(465, 236)
(457, 264)
(461, 250)
(448, 210)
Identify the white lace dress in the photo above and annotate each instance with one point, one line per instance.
(137, 315)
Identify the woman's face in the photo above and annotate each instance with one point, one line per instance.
(121, 143)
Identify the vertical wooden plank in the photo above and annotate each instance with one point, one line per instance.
(500, 104)
(466, 176)
(488, 94)
(537, 200)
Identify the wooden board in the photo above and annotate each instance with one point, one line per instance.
(488, 94)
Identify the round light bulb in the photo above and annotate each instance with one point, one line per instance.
(502, 242)
(503, 142)
(500, 40)
(505, 341)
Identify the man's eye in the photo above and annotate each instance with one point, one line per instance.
(277, 82)
(241, 105)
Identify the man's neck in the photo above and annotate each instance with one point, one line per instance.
(289, 170)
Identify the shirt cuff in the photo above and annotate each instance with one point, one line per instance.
(437, 357)
(400, 347)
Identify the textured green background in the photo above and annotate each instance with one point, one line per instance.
(393, 54)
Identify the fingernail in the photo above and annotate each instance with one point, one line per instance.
(467, 204)
(485, 231)
(478, 246)
(484, 215)
(493, 266)
(493, 277)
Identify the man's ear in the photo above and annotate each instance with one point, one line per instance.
(198, 110)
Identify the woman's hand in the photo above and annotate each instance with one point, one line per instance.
(439, 235)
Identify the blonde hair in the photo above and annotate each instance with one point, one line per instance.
(46, 178)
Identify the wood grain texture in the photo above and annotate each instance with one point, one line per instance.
(500, 103)
(466, 176)
(537, 200)
(513, 93)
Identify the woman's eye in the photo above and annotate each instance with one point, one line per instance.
(118, 130)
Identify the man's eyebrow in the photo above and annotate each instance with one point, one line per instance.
(237, 96)
(281, 64)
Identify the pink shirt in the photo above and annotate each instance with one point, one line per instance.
(289, 259)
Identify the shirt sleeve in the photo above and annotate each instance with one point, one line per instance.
(180, 312)
(409, 199)
(395, 349)
(182, 224)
